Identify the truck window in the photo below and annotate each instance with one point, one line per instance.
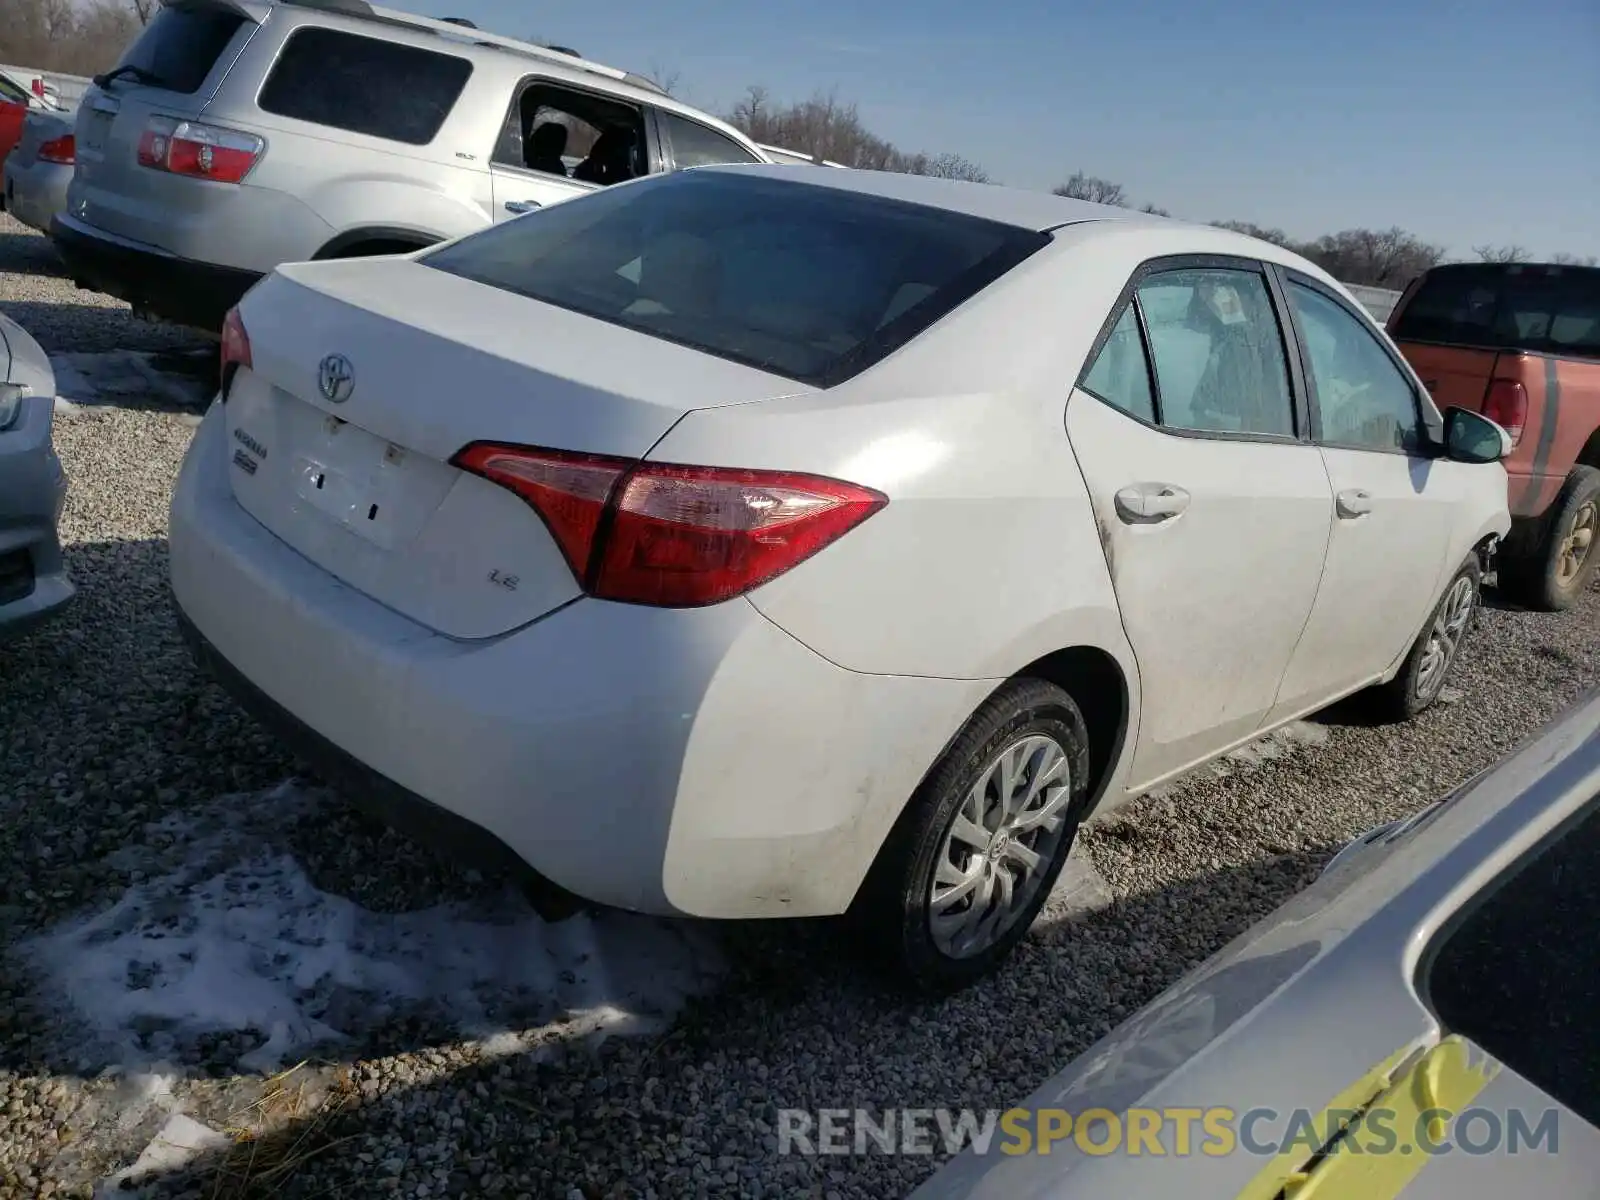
(1539, 309)
(364, 85)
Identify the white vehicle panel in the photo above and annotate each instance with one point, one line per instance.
(1215, 597)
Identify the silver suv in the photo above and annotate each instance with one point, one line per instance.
(235, 135)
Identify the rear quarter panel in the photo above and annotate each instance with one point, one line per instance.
(987, 555)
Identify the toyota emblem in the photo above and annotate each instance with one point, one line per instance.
(337, 378)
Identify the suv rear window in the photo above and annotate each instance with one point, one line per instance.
(1543, 310)
(181, 45)
(364, 85)
(813, 283)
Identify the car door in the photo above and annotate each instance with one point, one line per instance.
(1214, 508)
(1393, 501)
(577, 119)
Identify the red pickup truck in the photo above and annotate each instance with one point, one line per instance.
(1520, 343)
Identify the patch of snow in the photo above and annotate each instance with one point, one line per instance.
(1079, 890)
(1279, 744)
(178, 1141)
(118, 376)
(224, 932)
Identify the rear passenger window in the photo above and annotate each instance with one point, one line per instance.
(1218, 352)
(180, 46)
(364, 85)
(1120, 375)
(574, 135)
(1363, 399)
(693, 145)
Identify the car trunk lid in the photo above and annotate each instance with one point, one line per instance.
(368, 376)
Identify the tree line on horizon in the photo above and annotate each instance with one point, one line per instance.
(825, 127)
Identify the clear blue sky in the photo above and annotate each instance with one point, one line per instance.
(1463, 121)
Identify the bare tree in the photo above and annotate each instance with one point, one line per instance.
(1387, 258)
(1564, 259)
(1155, 210)
(1276, 236)
(144, 9)
(668, 79)
(1501, 254)
(825, 127)
(57, 35)
(1089, 187)
(940, 166)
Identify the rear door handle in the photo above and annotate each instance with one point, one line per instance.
(1150, 503)
(1354, 502)
(521, 206)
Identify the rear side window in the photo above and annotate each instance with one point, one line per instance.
(808, 282)
(364, 85)
(1542, 310)
(1121, 373)
(694, 145)
(181, 45)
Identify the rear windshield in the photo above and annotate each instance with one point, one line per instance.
(364, 85)
(181, 45)
(808, 282)
(1543, 310)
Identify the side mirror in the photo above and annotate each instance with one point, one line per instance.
(1473, 438)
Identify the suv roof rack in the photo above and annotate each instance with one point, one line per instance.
(459, 29)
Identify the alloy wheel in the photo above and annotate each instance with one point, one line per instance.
(1444, 638)
(1000, 845)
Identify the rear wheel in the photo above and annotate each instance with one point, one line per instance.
(1550, 568)
(973, 858)
(1422, 676)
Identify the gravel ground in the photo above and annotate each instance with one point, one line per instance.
(109, 739)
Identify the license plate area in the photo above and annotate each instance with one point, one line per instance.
(366, 484)
(96, 130)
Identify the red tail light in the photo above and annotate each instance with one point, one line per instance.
(673, 536)
(235, 347)
(199, 151)
(63, 149)
(1506, 404)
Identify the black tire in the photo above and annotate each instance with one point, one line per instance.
(1531, 570)
(1411, 691)
(894, 912)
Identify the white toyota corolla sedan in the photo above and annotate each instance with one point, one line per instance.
(740, 545)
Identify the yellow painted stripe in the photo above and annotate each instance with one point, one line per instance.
(1445, 1077)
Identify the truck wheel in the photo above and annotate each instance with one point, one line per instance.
(974, 856)
(1554, 565)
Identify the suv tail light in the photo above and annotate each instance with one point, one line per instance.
(1506, 404)
(199, 151)
(673, 536)
(63, 150)
(235, 347)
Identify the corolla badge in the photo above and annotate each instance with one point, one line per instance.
(336, 377)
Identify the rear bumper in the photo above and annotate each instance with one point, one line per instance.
(36, 193)
(180, 290)
(34, 584)
(697, 762)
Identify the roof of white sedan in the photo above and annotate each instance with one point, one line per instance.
(1008, 205)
